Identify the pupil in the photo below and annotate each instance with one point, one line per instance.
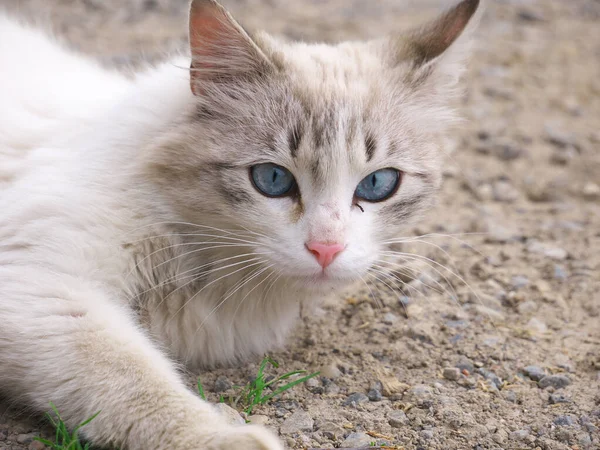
(374, 180)
(274, 175)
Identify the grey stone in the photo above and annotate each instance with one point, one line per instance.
(556, 381)
(398, 419)
(297, 422)
(465, 364)
(451, 373)
(534, 372)
(375, 395)
(503, 191)
(519, 281)
(357, 440)
(390, 318)
(519, 435)
(558, 398)
(330, 371)
(25, 438)
(560, 138)
(222, 384)
(490, 376)
(426, 434)
(36, 445)
(547, 250)
(355, 399)
(530, 15)
(560, 273)
(331, 430)
(229, 414)
(568, 420)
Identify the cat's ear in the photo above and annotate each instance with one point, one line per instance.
(221, 49)
(440, 47)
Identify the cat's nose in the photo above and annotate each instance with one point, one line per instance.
(325, 253)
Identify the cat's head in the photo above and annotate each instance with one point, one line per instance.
(318, 155)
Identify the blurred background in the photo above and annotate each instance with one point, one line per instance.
(519, 209)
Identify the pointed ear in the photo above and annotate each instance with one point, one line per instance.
(439, 47)
(221, 49)
(430, 41)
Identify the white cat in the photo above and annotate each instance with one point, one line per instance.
(186, 214)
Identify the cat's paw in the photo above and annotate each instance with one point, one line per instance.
(247, 437)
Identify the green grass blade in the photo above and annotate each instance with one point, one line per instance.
(201, 390)
(288, 386)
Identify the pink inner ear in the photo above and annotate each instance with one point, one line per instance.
(209, 32)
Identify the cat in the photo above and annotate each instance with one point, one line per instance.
(184, 215)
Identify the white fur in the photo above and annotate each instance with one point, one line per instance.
(93, 252)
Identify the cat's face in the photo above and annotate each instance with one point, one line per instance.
(319, 155)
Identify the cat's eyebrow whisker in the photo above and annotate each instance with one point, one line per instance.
(211, 283)
(240, 286)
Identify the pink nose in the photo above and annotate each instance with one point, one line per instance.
(325, 253)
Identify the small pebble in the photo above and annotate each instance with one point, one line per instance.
(536, 326)
(355, 399)
(375, 395)
(229, 414)
(555, 381)
(298, 421)
(330, 371)
(25, 438)
(558, 398)
(36, 445)
(426, 434)
(534, 372)
(519, 435)
(519, 281)
(357, 440)
(465, 364)
(331, 430)
(567, 420)
(490, 376)
(591, 191)
(222, 384)
(451, 373)
(560, 273)
(398, 419)
(547, 250)
(389, 318)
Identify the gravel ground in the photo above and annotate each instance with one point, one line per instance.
(502, 353)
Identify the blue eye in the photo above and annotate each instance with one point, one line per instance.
(272, 180)
(378, 185)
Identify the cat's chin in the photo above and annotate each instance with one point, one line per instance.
(323, 282)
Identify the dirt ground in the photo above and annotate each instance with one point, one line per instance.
(500, 350)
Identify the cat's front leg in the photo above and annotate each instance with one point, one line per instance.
(69, 345)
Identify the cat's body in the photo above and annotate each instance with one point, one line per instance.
(128, 223)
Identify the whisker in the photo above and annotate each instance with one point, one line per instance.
(178, 276)
(231, 294)
(211, 283)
